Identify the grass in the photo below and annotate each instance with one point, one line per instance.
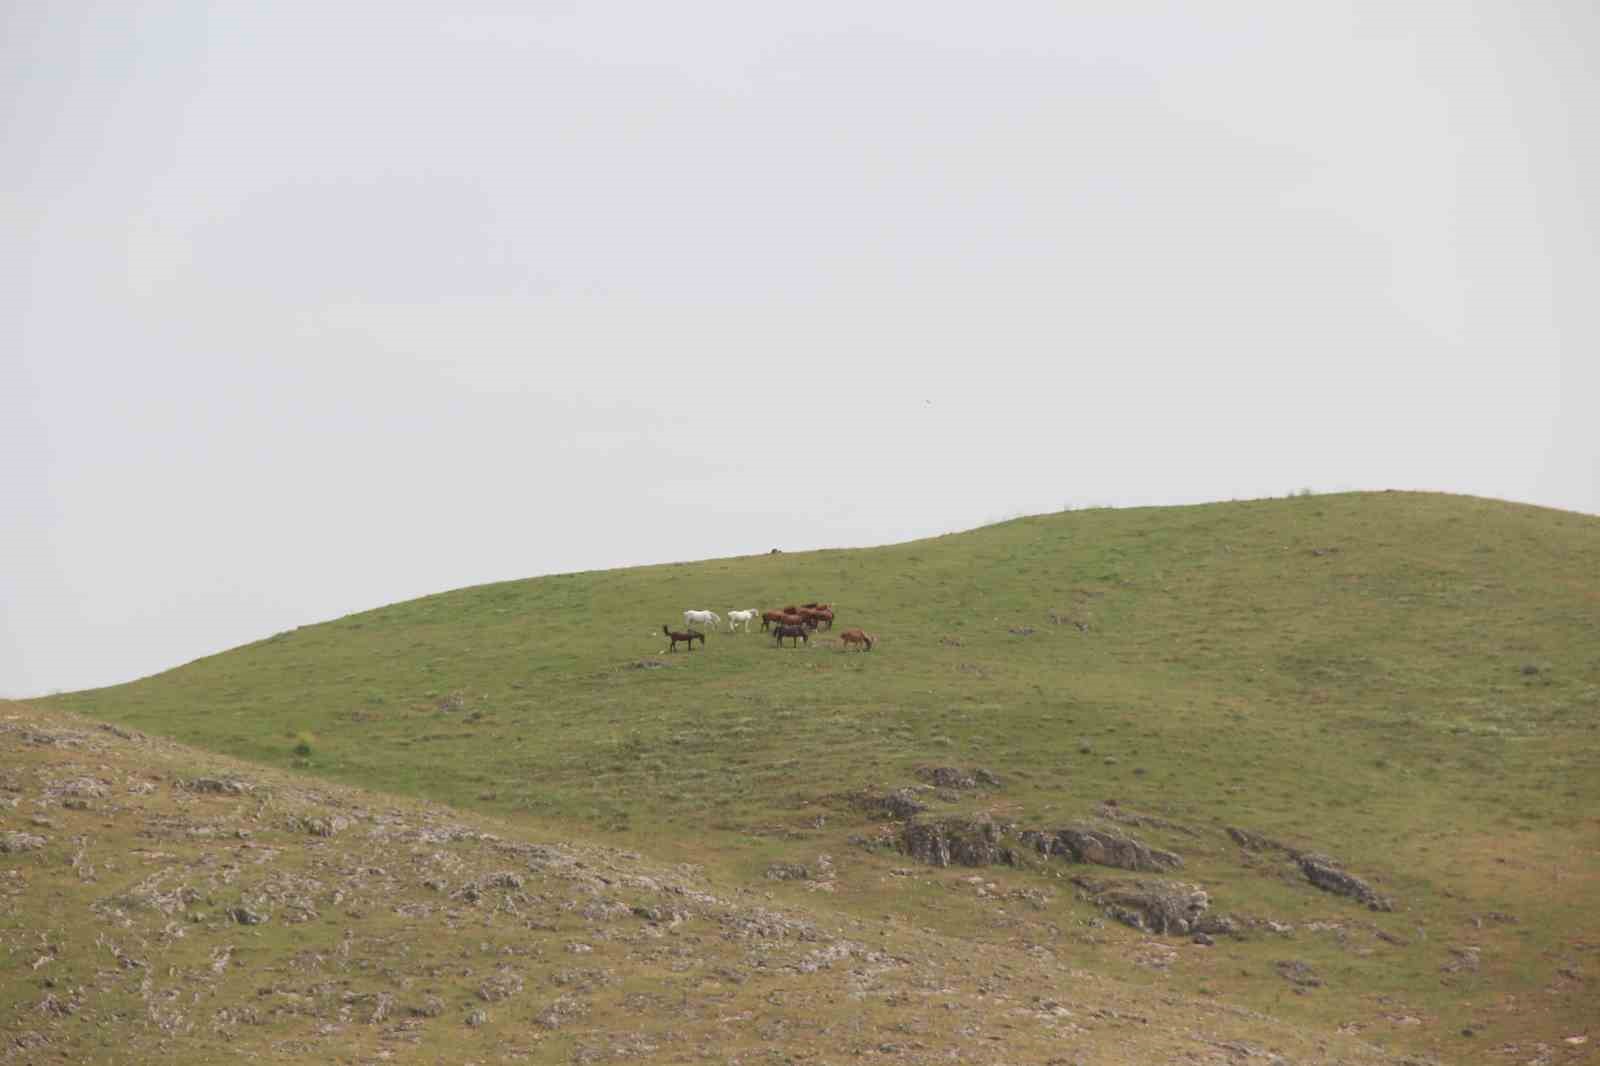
(1408, 682)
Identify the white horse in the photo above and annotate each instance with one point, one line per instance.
(735, 617)
(705, 618)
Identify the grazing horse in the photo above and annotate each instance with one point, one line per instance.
(705, 618)
(857, 636)
(821, 616)
(769, 617)
(684, 638)
(800, 619)
(736, 617)
(797, 632)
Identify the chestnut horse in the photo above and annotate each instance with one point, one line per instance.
(857, 636)
(684, 638)
(797, 632)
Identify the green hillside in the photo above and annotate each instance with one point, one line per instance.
(1407, 683)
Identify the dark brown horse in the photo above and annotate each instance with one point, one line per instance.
(857, 636)
(821, 616)
(797, 632)
(769, 617)
(684, 638)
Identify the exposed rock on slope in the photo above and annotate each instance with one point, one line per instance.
(198, 922)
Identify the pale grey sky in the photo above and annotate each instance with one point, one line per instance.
(313, 307)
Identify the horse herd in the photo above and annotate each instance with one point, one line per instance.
(794, 622)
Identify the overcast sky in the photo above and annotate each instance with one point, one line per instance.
(313, 307)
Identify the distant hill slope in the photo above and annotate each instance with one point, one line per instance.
(1406, 683)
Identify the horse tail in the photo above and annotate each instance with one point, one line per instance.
(667, 631)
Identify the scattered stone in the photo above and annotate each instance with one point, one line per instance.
(432, 1007)
(646, 664)
(1465, 960)
(950, 642)
(565, 1009)
(325, 827)
(900, 804)
(1022, 631)
(948, 777)
(477, 1018)
(502, 985)
(83, 788)
(667, 916)
(1321, 871)
(786, 871)
(13, 842)
(1299, 974)
(382, 1008)
(246, 916)
(1204, 939)
(229, 786)
(502, 879)
(1102, 848)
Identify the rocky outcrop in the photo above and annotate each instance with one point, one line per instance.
(956, 841)
(1102, 847)
(1321, 871)
(1255, 841)
(1154, 906)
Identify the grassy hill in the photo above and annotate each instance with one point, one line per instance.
(1407, 683)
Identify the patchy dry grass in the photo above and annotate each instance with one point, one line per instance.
(1408, 683)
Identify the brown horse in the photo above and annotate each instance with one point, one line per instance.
(769, 617)
(797, 632)
(821, 616)
(684, 638)
(857, 636)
